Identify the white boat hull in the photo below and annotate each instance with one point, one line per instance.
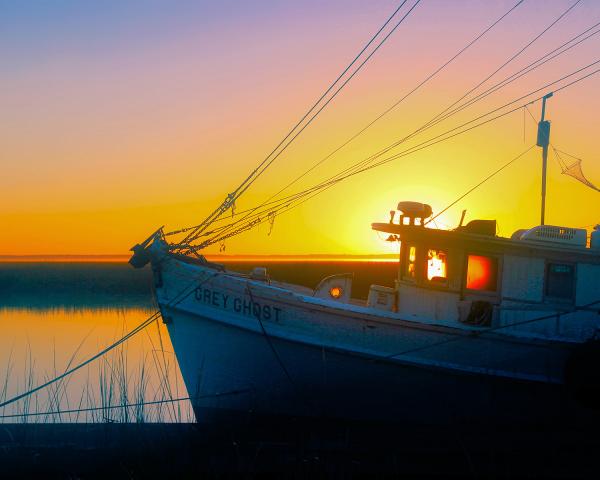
(232, 373)
(246, 347)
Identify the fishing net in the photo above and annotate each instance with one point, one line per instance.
(573, 168)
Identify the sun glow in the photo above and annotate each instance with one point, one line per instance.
(135, 147)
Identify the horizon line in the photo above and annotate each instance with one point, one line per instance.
(220, 257)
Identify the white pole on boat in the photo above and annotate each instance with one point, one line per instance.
(543, 140)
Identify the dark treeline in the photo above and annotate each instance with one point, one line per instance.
(118, 285)
(74, 285)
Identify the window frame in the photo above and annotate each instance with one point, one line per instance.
(552, 299)
(439, 284)
(405, 262)
(497, 259)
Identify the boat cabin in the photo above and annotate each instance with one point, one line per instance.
(473, 277)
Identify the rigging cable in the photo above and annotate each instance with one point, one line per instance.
(127, 405)
(300, 393)
(542, 60)
(432, 141)
(536, 38)
(433, 121)
(490, 176)
(524, 71)
(574, 169)
(175, 301)
(398, 102)
(272, 156)
(537, 63)
(477, 333)
(389, 109)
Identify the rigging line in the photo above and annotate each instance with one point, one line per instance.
(531, 115)
(480, 183)
(505, 113)
(127, 405)
(379, 117)
(329, 100)
(524, 124)
(122, 340)
(398, 102)
(561, 163)
(140, 327)
(521, 73)
(385, 150)
(536, 38)
(431, 122)
(312, 108)
(392, 107)
(332, 181)
(516, 100)
(314, 191)
(331, 86)
(567, 154)
(425, 143)
(321, 188)
(335, 182)
(440, 138)
(395, 144)
(540, 61)
(299, 392)
(335, 93)
(477, 333)
(492, 89)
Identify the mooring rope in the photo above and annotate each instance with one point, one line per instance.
(123, 339)
(278, 358)
(104, 351)
(477, 333)
(127, 405)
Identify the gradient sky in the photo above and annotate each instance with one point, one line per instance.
(121, 116)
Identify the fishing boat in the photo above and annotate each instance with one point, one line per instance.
(474, 326)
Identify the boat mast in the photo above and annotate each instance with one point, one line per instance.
(543, 140)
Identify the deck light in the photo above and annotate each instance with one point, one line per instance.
(336, 292)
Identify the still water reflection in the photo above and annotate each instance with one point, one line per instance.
(39, 344)
(53, 316)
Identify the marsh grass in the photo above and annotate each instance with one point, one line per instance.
(113, 390)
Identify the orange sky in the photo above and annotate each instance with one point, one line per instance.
(119, 120)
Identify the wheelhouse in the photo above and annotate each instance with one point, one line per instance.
(472, 276)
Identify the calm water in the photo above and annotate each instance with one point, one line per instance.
(55, 315)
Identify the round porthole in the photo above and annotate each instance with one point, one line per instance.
(336, 292)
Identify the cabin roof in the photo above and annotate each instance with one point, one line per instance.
(489, 243)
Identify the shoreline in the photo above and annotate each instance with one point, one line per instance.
(304, 448)
(213, 258)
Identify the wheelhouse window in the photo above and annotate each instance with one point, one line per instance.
(437, 262)
(560, 281)
(411, 262)
(482, 273)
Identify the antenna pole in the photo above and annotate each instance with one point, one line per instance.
(543, 140)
